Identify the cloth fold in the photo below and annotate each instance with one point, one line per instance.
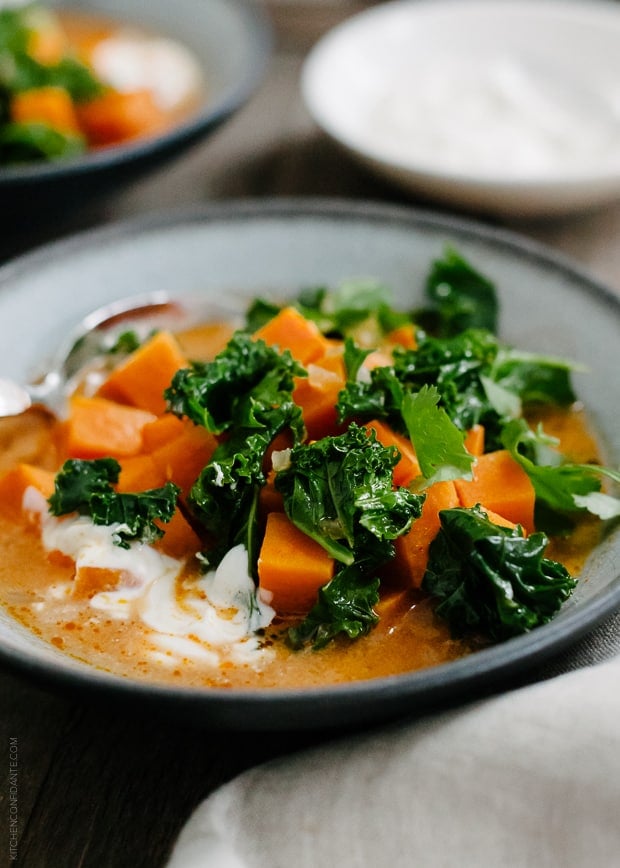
(528, 779)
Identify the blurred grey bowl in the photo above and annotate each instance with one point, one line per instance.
(230, 39)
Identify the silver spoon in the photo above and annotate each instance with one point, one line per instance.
(96, 334)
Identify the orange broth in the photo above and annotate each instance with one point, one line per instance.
(407, 637)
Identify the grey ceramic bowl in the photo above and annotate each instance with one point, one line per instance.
(231, 40)
(228, 254)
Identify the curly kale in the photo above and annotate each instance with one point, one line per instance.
(246, 394)
(86, 487)
(339, 491)
(492, 580)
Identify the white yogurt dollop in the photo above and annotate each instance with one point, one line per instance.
(129, 61)
(206, 619)
(494, 116)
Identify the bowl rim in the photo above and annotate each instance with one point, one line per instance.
(259, 45)
(277, 708)
(427, 171)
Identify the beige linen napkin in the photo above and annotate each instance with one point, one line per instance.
(529, 778)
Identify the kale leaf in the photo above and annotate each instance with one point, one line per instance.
(86, 487)
(353, 307)
(462, 298)
(23, 142)
(224, 498)
(339, 491)
(491, 580)
(345, 605)
(241, 383)
(246, 393)
(479, 381)
(19, 71)
(380, 397)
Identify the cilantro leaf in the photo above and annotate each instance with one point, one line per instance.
(85, 487)
(492, 580)
(560, 486)
(354, 306)
(438, 443)
(125, 343)
(478, 379)
(534, 378)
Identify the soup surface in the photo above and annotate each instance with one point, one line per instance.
(150, 611)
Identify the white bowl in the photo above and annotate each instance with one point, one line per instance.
(509, 107)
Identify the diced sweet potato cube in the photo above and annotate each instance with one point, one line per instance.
(474, 440)
(162, 430)
(117, 117)
(407, 468)
(270, 499)
(15, 483)
(495, 518)
(91, 580)
(179, 539)
(291, 566)
(47, 105)
(97, 428)
(403, 336)
(141, 379)
(182, 459)
(408, 567)
(317, 395)
(289, 330)
(501, 484)
(204, 342)
(139, 473)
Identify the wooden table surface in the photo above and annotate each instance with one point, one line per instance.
(105, 786)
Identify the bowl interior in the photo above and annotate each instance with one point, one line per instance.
(241, 250)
